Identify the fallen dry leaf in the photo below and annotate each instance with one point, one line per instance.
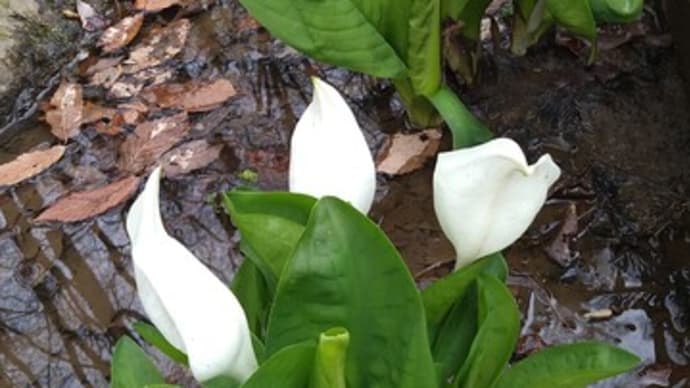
(150, 140)
(189, 157)
(403, 153)
(193, 96)
(560, 250)
(155, 5)
(86, 204)
(120, 34)
(90, 19)
(94, 112)
(29, 165)
(65, 112)
(158, 46)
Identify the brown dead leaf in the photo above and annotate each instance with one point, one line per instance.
(190, 156)
(29, 165)
(65, 112)
(131, 85)
(93, 65)
(120, 34)
(560, 248)
(150, 141)
(403, 153)
(90, 19)
(155, 5)
(158, 46)
(193, 96)
(94, 112)
(86, 204)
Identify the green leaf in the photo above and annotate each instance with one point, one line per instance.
(288, 368)
(220, 382)
(154, 337)
(346, 273)
(499, 326)
(364, 35)
(574, 15)
(616, 11)
(423, 56)
(131, 367)
(161, 386)
(470, 13)
(454, 338)
(529, 23)
(270, 224)
(251, 290)
(419, 110)
(329, 364)
(467, 130)
(443, 293)
(259, 348)
(568, 366)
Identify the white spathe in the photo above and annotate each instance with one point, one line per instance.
(486, 196)
(191, 307)
(328, 152)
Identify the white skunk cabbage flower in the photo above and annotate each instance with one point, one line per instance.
(191, 307)
(328, 152)
(485, 197)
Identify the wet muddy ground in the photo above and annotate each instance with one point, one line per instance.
(608, 257)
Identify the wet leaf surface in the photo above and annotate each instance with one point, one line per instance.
(159, 45)
(190, 157)
(65, 111)
(90, 19)
(87, 204)
(150, 140)
(155, 5)
(120, 34)
(29, 165)
(193, 96)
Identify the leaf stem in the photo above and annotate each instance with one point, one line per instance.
(467, 130)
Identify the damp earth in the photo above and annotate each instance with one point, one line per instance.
(607, 258)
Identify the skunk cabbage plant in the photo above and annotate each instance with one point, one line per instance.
(187, 303)
(486, 196)
(328, 153)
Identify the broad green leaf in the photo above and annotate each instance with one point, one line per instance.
(423, 56)
(440, 296)
(329, 363)
(131, 367)
(288, 368)
(454, 338)
(568, 366)
(466, 129)
(499, 326)
(346, 273)
(154, 337)
(250, 288)
(364, 35)
(220, 382)
(270, 224)
(574, 15)
(616, 11)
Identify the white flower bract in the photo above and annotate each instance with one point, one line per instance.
(485, 197)
(191, 307)
(328, 152)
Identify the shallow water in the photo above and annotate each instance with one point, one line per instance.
(619, 130)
